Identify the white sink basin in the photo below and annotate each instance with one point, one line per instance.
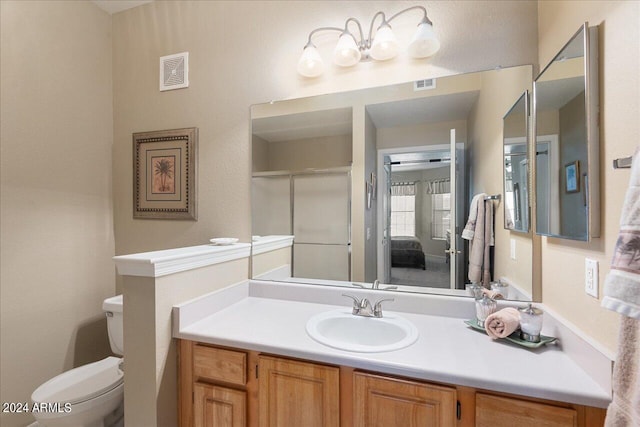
(341, 329)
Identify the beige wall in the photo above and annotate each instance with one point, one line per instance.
(499, 92)
(320, 152)
(267, 262)
(422, 134)
(242, 53)
(57, 230)
(563, 260)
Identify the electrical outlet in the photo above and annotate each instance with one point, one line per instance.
(591, 277)
(513, 249)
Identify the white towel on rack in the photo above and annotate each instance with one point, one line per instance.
(479, 230)
(622, 294)
(470, 227)
(622, 286)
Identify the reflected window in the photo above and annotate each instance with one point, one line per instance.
(440, 215)
(403, 209)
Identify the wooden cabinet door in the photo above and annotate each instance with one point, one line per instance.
(384, 402)
(297, 394)
(496, 411)
(216, 406)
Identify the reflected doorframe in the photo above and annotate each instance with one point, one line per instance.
(382, 271)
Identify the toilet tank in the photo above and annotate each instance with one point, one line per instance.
(113, 308)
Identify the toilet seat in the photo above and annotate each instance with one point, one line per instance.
(81, 384)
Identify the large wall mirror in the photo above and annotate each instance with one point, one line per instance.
(375, 184)
(567, 147)
(516, 165)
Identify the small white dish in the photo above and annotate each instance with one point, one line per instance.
(224, 241)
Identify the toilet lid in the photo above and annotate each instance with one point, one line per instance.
(82, 383)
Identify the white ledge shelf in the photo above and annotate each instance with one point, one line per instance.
(170, 261)
(271, 243)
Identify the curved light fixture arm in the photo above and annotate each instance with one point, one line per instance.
(425, 19)
(361, 43)
(309, 43)
(370, 38)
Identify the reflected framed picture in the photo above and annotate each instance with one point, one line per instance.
(164, 174)
(572, 177)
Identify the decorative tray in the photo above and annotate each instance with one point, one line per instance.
(514, 337)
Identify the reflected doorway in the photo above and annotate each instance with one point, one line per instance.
(419, 225)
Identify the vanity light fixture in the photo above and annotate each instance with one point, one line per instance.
(380, 46)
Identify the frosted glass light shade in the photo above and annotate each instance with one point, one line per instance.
(424, 42)
(385, 45)
(310, 63)
(346, 52)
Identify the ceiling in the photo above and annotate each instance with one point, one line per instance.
(115, 6)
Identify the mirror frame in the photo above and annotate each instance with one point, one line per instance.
(527, 113)
(592, 111)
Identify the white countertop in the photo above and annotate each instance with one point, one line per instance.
(262, 318)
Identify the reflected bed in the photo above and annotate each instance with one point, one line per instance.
(406, 251)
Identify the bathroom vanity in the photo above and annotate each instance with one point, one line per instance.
(237, 388)
(246, 359)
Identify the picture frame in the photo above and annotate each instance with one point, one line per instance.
(165, 174)
(572, 177)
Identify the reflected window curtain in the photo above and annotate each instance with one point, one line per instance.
(438, 186)
(440, 191)
(403, 209)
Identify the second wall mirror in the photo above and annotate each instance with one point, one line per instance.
(567, 143)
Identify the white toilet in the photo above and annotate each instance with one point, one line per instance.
(91, 395)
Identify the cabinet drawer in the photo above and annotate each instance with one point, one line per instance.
(217, 364)
(495, 411)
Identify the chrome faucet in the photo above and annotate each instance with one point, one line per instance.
(362, 307)
(376, 285)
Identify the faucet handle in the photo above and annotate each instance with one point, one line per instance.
(356, 303)
(377, 309)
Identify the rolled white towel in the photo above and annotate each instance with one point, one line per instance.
(502, 323)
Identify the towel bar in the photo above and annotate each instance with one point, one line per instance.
(622, 163)
(494, 197)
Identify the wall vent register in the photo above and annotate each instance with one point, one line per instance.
(174, 71)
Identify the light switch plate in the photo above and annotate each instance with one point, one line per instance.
(591, 277)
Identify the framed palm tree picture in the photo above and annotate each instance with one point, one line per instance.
(164, 174)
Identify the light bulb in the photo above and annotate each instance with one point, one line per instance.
(425, 42)
(346, 52)
(385, 45)
(310, 63)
